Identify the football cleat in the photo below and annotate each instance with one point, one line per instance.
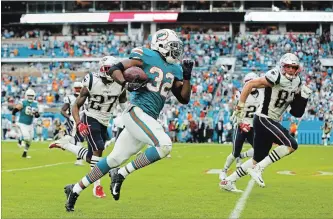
(255, 173)
(116, 182)
(71, 197)
(229, 186)
(79, 162)
(223, 175)
(98, 192)
(61, 142)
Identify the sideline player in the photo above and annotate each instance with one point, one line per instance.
(28, 109)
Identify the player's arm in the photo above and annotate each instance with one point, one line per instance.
(300, 101)
(182, 89)
(116, 71)
(17, 108)
(80, 100)
(123, 100)
(261, 82)
(64, 109)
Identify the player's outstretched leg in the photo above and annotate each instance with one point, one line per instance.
(71, 197)
(65, 144)
(223, 174)
(275, 155)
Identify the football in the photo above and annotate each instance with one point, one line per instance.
(133, 73)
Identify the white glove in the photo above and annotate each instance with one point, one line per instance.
(238, 114)
(305, 91)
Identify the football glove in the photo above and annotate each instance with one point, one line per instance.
(238, 114)
(83, 129)
(135, 84)
(187, 66)
(244, 127)
(305, 91)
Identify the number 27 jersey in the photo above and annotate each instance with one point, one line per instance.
(103, 98)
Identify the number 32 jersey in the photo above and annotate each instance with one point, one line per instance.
(277, 98)
(161, 76)
(103, 98)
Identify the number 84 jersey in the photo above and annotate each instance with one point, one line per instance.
(278, 97)
(103, 98)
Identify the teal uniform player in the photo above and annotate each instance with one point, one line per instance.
(140, 117)
(161, 77)
(28, 110)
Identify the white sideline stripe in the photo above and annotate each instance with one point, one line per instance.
(37, 167)
(242, 201)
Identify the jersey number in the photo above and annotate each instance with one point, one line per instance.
(97, 100)
(30, 110)
(282, 98)
(250, 112)
(157, 85)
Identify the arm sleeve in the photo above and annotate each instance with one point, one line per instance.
(298, 106)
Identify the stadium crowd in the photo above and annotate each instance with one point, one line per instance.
(206, 118)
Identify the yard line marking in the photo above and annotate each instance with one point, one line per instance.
(242, 201)
(37, 167)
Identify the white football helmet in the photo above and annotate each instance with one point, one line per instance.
(168, 44)
(77, 87)
(292, 60)
(250, 76)
(30, 95)
(104, 66)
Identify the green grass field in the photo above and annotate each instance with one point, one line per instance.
(172, 188)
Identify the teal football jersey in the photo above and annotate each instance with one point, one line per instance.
(161, 76)
(26, 113)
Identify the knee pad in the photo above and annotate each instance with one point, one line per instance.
(114, 162)
(164, 150)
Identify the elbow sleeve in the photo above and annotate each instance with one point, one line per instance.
(298, 106)
(15, 110)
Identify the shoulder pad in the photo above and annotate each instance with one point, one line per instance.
(273, 76)
(88, 81)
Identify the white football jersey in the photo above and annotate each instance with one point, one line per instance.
(252, 105)
(103, 98)
(70, 99)
(277, 98)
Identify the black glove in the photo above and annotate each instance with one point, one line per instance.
(134, 86)
(187, 66)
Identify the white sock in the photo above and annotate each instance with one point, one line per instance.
(79, 151)
(241, 171)
(274, 156)
(127, 169)
(94, 160)
(230, 159)
(248, 153)
(325, 141)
